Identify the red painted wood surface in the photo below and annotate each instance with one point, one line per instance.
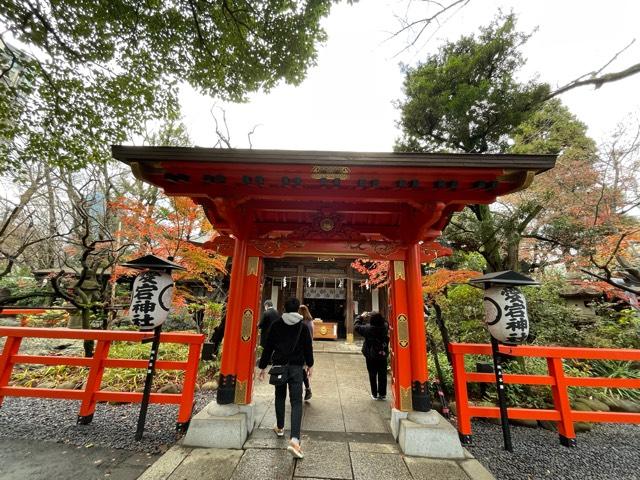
(402, 351)
(246, 353)
(557, 379)
(417, 333)
(232, 325)
(97, 364)
(21, 311)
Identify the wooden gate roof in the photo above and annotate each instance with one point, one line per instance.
(314, 195)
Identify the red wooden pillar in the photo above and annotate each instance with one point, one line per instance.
(246, 350)
(419, 373)
(399, 322)
(228, 367)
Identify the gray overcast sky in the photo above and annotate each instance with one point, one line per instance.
(346, 101)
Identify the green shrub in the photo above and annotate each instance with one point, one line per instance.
(463, 314)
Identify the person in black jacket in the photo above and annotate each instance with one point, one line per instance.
(269, 316)
(375, 350)
(289, 343)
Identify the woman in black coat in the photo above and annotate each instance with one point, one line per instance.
(375, 350)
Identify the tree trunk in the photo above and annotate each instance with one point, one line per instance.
(487, 231)
(51, 221)
(86, 324)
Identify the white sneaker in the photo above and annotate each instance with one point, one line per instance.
(278, 431)
(373, 397)
(295, 449)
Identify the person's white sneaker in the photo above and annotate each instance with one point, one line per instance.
(278, 431)
(295, 449)
(373, 397)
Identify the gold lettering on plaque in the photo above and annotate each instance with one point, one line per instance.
(252, 266)
(330, 173)
(406, 405)
(398, 270)
(403, 330)
(247, 325)
(240, 397)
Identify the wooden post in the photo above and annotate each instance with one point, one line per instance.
(300, 284)
(399, 322)
(462, 400)
(228, 367)
(148, 381)
(11, 347)
(502, 398)
(247, 334)
(94, 380)
(188, 387)
(348, 318)
(561, 402)
(419, 374)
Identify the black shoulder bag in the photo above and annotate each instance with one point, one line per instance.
(279, 374)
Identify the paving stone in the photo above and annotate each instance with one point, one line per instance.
(475, 470)
(323, 415)
(364, 417)
(265, 438)
(264, 465)
(378, 466)
(209, 463)
(325, 459)
(166, 464)
(374, 447)
(429, 469)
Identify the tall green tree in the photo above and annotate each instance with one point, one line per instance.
(99, 70)
(466, 98)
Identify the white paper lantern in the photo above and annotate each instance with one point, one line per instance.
(151, 299)
(506, 315)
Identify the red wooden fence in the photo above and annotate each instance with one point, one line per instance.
(91, 394)
(556, 379)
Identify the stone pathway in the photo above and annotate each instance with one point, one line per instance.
(345, 435)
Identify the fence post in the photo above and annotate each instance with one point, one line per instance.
(11, 347)
(561, 402)
(462, 400)
(94, 380)
(188, 387)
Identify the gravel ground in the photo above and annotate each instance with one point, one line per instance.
(609, 451)
(113, 426)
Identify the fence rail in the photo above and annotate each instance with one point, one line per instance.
(91, 394)
(556, 379)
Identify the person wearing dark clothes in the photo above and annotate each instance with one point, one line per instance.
(375, 350)
(269, 316)
(289, 343)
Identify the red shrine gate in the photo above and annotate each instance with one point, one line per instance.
(387, 206)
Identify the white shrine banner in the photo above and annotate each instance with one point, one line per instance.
(151, 299)
(506, 315)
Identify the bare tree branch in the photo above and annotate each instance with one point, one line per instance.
(596, 79)
(425, 22)
(608, 280)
